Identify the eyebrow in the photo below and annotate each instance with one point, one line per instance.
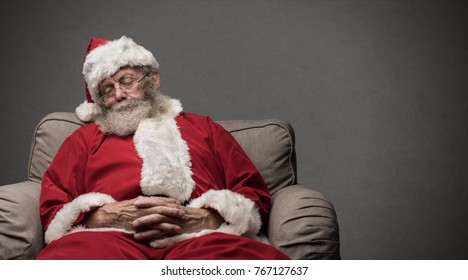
(108, 83)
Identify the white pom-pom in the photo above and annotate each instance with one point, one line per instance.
(87, 111)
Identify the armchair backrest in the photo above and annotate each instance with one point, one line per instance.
(268, 143)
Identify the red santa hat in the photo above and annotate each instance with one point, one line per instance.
(103, 59)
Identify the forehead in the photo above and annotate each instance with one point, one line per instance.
(127, 70)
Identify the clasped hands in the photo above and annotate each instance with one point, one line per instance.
(153, 217)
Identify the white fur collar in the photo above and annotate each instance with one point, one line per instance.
(166, 158)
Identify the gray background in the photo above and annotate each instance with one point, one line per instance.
(376, 91)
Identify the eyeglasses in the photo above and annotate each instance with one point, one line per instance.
(126, 84)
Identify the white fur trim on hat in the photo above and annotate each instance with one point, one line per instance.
(88, 111)
(107, 59)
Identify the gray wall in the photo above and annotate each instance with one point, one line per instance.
(376, 91)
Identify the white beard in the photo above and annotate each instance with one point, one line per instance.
(123, 118)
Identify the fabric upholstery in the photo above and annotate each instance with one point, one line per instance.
(302, 222)
(48, 136)
(305, 229)
(20, 225)
(270, 146)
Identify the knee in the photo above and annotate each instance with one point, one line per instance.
(220, 246)
(89, 245)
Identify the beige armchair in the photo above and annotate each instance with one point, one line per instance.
(302, 223)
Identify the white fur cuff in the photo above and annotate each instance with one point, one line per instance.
(63, 220)
(240, 214)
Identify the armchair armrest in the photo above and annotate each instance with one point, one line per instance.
(20, 225)
(303, 224)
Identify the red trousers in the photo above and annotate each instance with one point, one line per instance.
(89, 245)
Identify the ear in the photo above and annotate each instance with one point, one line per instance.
(156, 79)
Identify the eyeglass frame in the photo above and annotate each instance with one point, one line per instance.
(113, 93)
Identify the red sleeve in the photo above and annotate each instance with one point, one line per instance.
(241, 175)
(63, 202)
(63, 180)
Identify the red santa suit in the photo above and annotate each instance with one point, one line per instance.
(180, 155)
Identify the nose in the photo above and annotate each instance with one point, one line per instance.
(119, 93)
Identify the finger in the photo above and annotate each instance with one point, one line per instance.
(151, 235)
(167, 211)
(144, 201)
(153, 220)
(167, 228)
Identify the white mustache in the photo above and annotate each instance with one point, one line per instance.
(124, 104)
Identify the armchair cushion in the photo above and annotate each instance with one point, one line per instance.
(47, 139)
(270, 146)
(303, 224)
(20, 224)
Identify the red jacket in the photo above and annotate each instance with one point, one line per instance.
(184, 156)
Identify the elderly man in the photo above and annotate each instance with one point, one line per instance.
(145, 180)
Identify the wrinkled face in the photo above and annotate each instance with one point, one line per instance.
(127, 83)
(127, 97)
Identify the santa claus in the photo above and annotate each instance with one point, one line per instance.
(145, 180)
